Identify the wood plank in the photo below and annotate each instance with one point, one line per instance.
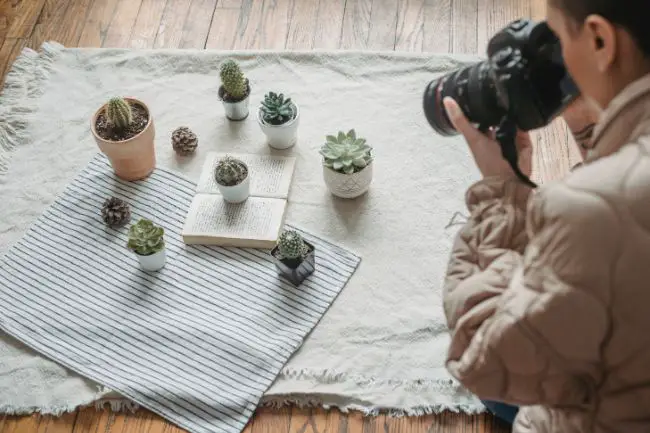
(68, 30)
(49, 23)
(410, 25)
(383, 25)
(302, 21)
(197, 23)
(269, 420)
(97, 22)
(329, 24)
(56, 424)
(464, 20)
(263, 24)
(21, 424)
(172, 22)
(494, 15)
(121, 26)
(224, 31)
(356, 25)
(24, 15)
(318, 421)
(5, 17)
(9, 51)
(230, 4)
(146, 26)
(538, 9)
(437, 27)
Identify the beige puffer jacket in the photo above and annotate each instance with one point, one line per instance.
(548, 292)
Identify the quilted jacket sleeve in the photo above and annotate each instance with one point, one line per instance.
(526, 293)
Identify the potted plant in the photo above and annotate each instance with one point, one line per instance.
(124, 131)
(279, 117)
(234, 91)
(294, 257)
(347, 164)
(233, 179)
(147, 241)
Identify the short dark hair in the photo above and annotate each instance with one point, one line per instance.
(632, 15)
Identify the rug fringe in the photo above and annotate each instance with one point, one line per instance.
(23, 85)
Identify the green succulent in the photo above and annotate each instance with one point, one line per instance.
(145, 238)
(276, 110)
(291, 245)
(233, 80)
(118, 113)
(230, 171)
(346, 153)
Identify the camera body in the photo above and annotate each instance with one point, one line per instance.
(523, 81)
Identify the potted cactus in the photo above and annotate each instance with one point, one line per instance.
(279, 117)
(233, 180)
(124, 131)
(147, 241)
(294, 257)
(347, 164)
(234, 91)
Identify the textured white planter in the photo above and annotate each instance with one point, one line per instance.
(236, 193)
(152, 262)
(280, 136)
(348, 185)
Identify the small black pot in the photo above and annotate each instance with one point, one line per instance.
(296, 270)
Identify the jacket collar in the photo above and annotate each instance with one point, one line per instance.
(625, 119)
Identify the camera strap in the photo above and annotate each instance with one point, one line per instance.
(506, 135)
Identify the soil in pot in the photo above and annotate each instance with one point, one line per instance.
(107, 132)
(225, 97)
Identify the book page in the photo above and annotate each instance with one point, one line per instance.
(270, 175)
(210, 216)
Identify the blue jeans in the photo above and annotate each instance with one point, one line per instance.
(503, 411)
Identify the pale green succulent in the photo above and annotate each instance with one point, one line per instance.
(346, 153)
(145, 238)
(118, 113)
(233, 79)
(291, 245)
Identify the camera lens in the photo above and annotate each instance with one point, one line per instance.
(474, 91)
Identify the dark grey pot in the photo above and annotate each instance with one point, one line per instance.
(296, 270)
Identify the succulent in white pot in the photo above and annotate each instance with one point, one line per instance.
(347, 164)
(279, 118)
(234, 91)
(147, 241)
(233, 179)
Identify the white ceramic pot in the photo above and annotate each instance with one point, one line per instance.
(280, 136)
(153, 262)
(236, 193)
(235, 110)
(348, 185)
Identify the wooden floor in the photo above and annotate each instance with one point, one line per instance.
(458, 26)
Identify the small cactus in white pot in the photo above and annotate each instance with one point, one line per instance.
(233, 179)
(234, 91)
(294, 257)
(278, 118)
(147, 241)
(347, 164)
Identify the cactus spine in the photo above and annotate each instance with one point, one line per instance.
(233, 80)
(118, 113)
(230, 171)
(291, 246)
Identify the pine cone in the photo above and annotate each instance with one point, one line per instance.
(116, 212)
(184, 141)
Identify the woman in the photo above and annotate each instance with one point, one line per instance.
(547, 294)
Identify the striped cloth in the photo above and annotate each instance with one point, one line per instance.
(197, 342)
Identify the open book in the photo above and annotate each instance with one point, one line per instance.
(255, 223)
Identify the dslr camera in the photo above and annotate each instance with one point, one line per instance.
(522, 85)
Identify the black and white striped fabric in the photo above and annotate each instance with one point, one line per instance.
(197, 342)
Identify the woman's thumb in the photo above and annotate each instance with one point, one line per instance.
(459, 121)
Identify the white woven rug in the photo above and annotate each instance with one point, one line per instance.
(382, 344)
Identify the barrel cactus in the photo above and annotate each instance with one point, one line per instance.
(230, 171)
(276, 110)
(291, 246)
(145, 238)
(233, 80)
(118, 113)
(346, 153)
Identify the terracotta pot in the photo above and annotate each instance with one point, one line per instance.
(131, 159)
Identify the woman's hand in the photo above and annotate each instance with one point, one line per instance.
(486, 150)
